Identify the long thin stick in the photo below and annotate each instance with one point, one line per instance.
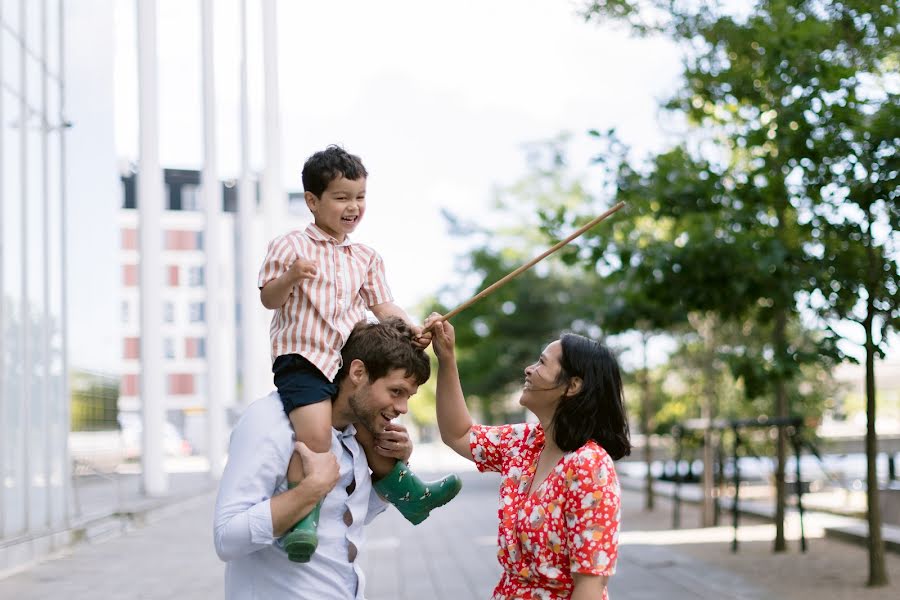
(493, 288)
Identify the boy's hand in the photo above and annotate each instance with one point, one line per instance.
(420, 340)
(394, 442)
(321, 469)
(303, 269)
(444, 337)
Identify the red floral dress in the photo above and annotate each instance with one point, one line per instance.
(569, 524)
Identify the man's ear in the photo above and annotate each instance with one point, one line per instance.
(358, 373)
(312, 201)
(574, 386)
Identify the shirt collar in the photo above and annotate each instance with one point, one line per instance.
(348, 431)
(318, 235)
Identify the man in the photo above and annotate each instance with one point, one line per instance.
(381, 370)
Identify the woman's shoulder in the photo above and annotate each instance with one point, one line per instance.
(591, 453)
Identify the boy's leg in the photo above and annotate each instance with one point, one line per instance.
(312, 426)
(396, 483)
(311, 423)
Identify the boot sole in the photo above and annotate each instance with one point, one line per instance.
(300, 544)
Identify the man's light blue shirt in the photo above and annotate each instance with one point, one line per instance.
(257, 567)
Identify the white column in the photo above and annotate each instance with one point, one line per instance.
(274, 200)
(212, 201)
(150, 204)
(64, 255)
(247, 214)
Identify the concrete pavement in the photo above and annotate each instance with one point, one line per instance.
(452, 556)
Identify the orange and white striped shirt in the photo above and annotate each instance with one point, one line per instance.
(320, 312)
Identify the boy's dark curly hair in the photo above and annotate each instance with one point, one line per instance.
(329, 164)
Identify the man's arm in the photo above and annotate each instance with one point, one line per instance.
(322, 473)
(245, 518)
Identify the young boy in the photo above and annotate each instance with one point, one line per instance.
(320, 284)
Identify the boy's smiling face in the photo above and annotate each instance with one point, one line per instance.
(341, 207)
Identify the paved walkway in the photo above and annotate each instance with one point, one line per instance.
(451, 556)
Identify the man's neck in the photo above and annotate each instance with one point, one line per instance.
(341, 413)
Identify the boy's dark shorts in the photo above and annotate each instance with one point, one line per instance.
(300, 383)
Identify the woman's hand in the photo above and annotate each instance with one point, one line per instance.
(394, 442)
(443, 336)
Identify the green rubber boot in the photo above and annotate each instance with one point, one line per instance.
(414, 498)
(301, 541)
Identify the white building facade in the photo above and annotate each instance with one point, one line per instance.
(34, 418)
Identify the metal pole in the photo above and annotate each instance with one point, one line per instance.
(735, 512)
(212, 200)
(676, 496)
(247, 214)
(26, 335)
(64, 259)
(273, 198)
(795, 441)
(150, 206)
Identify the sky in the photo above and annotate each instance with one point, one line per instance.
(439, 101)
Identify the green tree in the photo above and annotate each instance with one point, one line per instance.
(764, 84)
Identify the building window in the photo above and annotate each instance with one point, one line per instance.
(197, 312)
(180, 384)
(178, 239)
(169, 348)
(129, 385)
(172, 275)
(195, 276)
(190, 197)
(129, 239)
(168, 312)
(195, 347)
(129, 275)
(132, 348)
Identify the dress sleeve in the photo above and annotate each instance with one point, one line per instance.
(592, 511)
(492, 445)
(375, 289)
(279, 258)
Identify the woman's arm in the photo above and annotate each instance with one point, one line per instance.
(454, 420)
(588, 587)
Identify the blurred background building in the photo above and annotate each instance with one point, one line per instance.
(34, 407)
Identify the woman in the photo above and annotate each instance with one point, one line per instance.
(559, 496)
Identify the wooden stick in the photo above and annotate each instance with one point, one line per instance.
(493, 288)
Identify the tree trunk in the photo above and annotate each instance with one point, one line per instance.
(708, 412)
(781, 412)
(646, 425)
(877, 569)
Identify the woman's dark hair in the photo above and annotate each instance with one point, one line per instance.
(597, 411)
(327, 165)
(383, 347)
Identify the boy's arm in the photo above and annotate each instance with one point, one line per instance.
(389, 309)
(276, 292)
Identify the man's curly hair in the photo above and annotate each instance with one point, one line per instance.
(384, 347)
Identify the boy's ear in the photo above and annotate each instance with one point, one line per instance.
(358, 373)
(312, 201)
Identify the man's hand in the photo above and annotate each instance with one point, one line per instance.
(444, 337)
(321, 470)
(302, 269)
(394, 442)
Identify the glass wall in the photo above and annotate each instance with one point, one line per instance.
(33, 403)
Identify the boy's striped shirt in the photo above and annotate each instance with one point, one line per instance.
(320, 312)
